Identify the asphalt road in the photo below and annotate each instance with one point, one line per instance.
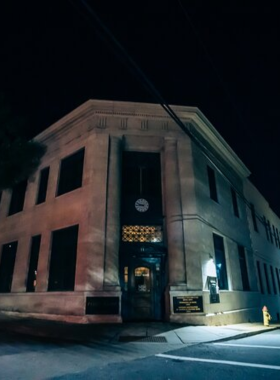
(255, 357)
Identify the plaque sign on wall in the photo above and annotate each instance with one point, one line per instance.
(188, 304)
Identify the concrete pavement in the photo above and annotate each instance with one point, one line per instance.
(148, 332)
(64, 350)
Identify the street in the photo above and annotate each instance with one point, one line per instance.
(253, 357)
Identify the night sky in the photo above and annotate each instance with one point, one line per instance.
(222, 59)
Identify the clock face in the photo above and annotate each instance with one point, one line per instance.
(141, 205)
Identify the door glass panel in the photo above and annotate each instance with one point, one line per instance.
(125, 275)
(142, 279)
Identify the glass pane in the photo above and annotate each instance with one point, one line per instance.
(142, 279)
(125, 272)
(142, 234)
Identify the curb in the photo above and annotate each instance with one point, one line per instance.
(243, 335)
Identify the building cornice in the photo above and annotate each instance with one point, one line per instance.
(191, 116)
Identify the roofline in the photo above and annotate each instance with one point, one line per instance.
(192, 114)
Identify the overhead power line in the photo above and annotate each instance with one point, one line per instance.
(121, 52)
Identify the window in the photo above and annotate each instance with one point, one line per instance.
(234, 203)
(33, 263)
(254, 219)
(243, 268)
(142, 279)
(275, 236)
(273, 280)
(212, 184)
(141, 188)
(260, 276)
(278, 278)
(17, 199)
(270, 232)
(266, 228)
(125, 278)
(266, 279)
(220, 262)
(0, 196)
(7, 266)
(71, 172)
(63, 259)
(142, 234)
(43, 185)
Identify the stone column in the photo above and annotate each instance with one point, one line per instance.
(43, 263)
(21, 264)
(111, 275)
(173, 210)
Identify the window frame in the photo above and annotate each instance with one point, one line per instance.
(43, 186)
(7, 267)
(234, 200)
(221, 253)
(17, 205)
(64, 188)
(212, 184)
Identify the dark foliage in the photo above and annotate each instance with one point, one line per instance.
(19, 158)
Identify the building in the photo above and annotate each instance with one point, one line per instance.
(128, 218)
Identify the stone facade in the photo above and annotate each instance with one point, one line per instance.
(105, 129)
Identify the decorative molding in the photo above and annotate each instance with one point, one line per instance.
(144, 125)
(102, 123)
(123, 124)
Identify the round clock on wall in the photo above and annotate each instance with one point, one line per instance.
(141, 205)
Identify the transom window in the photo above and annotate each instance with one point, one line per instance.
(142, 234)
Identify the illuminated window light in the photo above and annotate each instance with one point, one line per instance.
(143, 234)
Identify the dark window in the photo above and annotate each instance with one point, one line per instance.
(275, 236)
(266, 279)
(234, 203)
(71, 172)
(254, 219)
(243, 268)
(260, 276)
(63, 259)
(212, 184)
(220, 262)
(266, 228)
(273, 280)
(33, 263)
(0, 196)
(17, 199)
(7, 266)
(141, 189)
(141, 174)
(43, 185)
(278, 278)
(270, 232)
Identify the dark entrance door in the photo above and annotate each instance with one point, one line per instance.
(142, 289)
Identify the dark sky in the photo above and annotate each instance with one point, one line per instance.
(223, 59)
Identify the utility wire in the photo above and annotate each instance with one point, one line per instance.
(133, 66)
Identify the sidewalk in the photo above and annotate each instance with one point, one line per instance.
(145, 332)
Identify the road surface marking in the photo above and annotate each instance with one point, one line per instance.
(246, 345)
(185, 358)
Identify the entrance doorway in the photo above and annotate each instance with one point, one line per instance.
(142, 287)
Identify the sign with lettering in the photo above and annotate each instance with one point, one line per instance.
(102, 305)
(188, 304)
